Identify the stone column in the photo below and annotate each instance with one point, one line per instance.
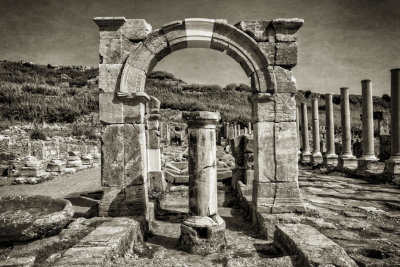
(250, 129)
(298, 131)
(393, 164)
(305, 156)
(238, 130)
(226, 129)
(316, 154)
(330, 158)
(346, 159)
(368, 161)
(157, 181)
(204, 231)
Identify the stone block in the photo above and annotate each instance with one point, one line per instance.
(111, 108)
(248, 144)
(237, 175)
(263, 80)
(264, 154)
(154, 160)
(112, 153)
(263, 108)
(109, 76)
(347, 163)
(38, 149)
(199, 32)
(259, 30)
(112, 201)
(175, 33)
(135, 29)
(133, 112)
(286, 29)
(249, 161)
(110, 51)
(330, 160)
(286, 54)
(285, 107)
(286, 151)
(157, 182)
(153, 139)
(285, 81)
(142, 58)
(268, 49)
(263, 193)
(302, 240)
(153, 125)
(132, 80)
(136, 199)
(157, 43)
(249, 177)
(134, 149)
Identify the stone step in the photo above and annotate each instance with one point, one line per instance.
(311, 247)
(111, 239)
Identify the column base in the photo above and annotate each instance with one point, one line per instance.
(368, 163)
(202, 235)
(348, 162)
(305, 158)
(392, 170)
(331, 160)
(316, 158)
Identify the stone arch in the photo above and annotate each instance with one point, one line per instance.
(266, 50)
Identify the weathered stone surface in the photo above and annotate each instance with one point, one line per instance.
(249, 177)
(263, 108)
(285, 81)
(135, 29)
(142, 58)
(259, 30)
(109, 77)
(111, 108)
(264, 154)
(157, 43)
(263, 81)
(157, 182)
(286, 151)
(132, 80)
(134, 142)
(199, 32)
(202, 241)
(110, 51)
(286, 29)
(29, 217)
(285, 107)
(249, 161)
(176, 35)
(153, 139)
(154, 160)
(286, 54)
(312, 247)
(112, 153)
(268, 49)
(136, 199)
(248, 144)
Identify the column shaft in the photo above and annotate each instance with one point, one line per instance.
(330, 125)
(306, 145)
(315, 120)
(346, 127)
(367, 121)
(395, 114)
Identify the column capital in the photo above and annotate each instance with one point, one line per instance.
(201, 118)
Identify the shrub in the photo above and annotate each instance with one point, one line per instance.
(307, 94)
(386, 97)
(38, 134)
(83, 130)
(336, 99)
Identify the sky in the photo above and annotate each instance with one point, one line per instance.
(341, 42)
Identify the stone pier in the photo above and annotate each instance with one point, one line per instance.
(298, 130)
(346, 159)
(392, 167)
(368, 161)
(305, 156)
(330, 158)
(316, 154)
(157, 181)
(204, 231)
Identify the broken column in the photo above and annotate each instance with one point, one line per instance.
(330, 158)
(346, 158)
(368, 161)
(305, 156)
(204, 231)
(392, 167)
(316, 154)
(157, 182)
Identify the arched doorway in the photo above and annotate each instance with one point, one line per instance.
(266, 50)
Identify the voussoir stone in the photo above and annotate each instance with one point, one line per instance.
(157, 43)
(259, 30)
(135, 29)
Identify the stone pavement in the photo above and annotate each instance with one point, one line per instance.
(361, 216)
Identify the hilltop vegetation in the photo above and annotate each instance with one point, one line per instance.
(35, 93)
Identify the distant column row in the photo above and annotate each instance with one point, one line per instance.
(346, 159)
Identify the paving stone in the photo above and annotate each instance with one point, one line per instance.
(312, 247)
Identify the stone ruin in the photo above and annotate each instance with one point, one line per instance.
(129, 49)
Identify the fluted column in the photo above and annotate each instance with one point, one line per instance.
(330, 158)
(316, 153)
(305, 156)
(393, 164)
(346, 159)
